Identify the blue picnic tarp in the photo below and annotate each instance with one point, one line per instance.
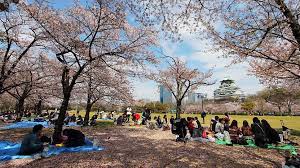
(9, 150)
(24, 124)
(30, 124)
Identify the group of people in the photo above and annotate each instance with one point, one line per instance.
(36, 141)
(260, 131)
(79, 120)
(225, 129)
(7, 117)
(73, 119)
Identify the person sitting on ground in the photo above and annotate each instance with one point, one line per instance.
(272, 134)
(181, 129)
(260, 137)
(159, 122)
(133, 117)
(79, 120)
(197, 128)
(227, 117)
(39, 119)
(151, 124)
(165, 119)
(191, 125)
(226, 125)
(155, 121)
(75, 138)
(234, 132)
(145, 115)
(53, 118)
(214, 123)
(219, 130)
(198, 123)
(120, 120)
(136, 117)
(32, 143)
(165, 123)
(73, 118)
(93, 120)
(172, 119)
(2, 120)
(128, 114)
(67, 119)
(246, 130)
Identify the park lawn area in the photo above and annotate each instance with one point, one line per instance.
(292, 122)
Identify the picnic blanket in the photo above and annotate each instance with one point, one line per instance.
(291, 148)
(24, 124)
(30, 124)
(9, 150)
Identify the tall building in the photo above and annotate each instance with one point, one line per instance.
(195, 97)
(191, 97)
(228, 90)
(165, 96)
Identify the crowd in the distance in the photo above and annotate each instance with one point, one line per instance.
(221, 128)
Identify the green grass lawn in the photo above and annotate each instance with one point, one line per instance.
(292, 122)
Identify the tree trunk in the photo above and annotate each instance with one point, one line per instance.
(61, 117)
(67, 89)
(279, 109)
(1, 88)
(20, 107)
(88, 103)
(87, 113)
(38, 107)
(292, 18)
(289, 108)
(178, 108)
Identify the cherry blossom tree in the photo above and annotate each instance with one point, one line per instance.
(4, 4)
(264, 33)
(34, 77)
(18, 38)
(179, 79)
(281, 97)
(6, 102)
(83, 34)
(105, 85)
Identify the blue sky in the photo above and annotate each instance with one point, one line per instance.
(192, 50)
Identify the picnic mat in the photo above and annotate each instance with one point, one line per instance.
(29, 124)
(9, 150)
(291, 148)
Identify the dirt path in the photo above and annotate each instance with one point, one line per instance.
(140, 147)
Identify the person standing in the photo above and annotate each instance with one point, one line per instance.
(203, 115)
